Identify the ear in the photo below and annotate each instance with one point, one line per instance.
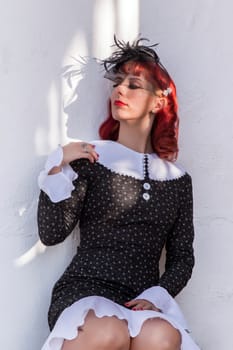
(159, 103)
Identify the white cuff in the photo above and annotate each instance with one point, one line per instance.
(57, 186)
(164, 301)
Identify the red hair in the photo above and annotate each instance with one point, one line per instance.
(164, 131)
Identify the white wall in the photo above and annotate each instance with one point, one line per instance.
(37, 39)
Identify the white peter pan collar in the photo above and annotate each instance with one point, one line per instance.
(125, 161)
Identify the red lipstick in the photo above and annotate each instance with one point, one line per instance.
(119, 103)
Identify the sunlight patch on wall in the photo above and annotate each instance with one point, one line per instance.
(24, 259)
(47, 138)
(127, 19)
(104, 18)
(114, 17)
(22, 211)
(41, 141)
(53, 112)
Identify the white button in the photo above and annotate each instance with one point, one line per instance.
(146, 186)
(146, 196)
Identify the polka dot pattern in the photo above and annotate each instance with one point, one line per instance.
(122, 235)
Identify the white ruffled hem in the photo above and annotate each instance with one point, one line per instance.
(73, 317)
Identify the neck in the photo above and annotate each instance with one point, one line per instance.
(135, 138)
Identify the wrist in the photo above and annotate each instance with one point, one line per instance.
(55, 170)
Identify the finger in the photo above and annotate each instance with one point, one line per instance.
(147, 305)
(134, 305)
(131, 303)
(143, 305)
(89, 148)
(150, 306)
(135, 302)
(138, 307)
(88, 156)
(93, 155)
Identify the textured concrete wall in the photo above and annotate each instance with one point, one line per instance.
(39, 108)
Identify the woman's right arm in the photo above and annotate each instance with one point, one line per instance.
(61, 201)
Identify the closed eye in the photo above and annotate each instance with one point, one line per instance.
(133, 83)
(131, 86)
(117, 81)
(134, 86)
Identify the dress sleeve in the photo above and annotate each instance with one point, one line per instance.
(179, 244)
(56, 220)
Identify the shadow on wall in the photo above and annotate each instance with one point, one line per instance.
(85, 101)
(47, 37)
(86, 104)
(30, 268)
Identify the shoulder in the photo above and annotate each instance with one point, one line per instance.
(166, 170)
(81, 166)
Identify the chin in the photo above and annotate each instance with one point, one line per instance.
(118, 116)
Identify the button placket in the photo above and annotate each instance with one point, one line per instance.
(146, 185)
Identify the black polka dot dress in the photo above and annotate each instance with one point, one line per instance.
(128, 206)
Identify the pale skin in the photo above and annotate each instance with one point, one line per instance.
(135, 110)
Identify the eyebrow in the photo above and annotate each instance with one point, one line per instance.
(136, 78)
(119, 74)
(131, 77)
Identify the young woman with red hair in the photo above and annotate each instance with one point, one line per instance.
(131, 200)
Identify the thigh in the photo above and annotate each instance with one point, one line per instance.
(157, 334)
(100, 333)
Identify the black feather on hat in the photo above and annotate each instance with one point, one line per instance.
(130, 52)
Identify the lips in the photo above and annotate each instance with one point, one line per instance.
(119, 103)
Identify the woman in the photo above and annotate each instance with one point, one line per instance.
(130, 200)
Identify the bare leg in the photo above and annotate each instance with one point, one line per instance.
(157, 334)
(100, 334)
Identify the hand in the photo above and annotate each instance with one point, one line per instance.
(141, 304)
(76, 150)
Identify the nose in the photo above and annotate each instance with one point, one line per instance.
(121, 88)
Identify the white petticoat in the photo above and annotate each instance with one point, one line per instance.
(73, 317)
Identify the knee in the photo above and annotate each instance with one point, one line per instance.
(171, 340)
(169, 343)
(157, 334)
(111, 338)
(114, 342)
(167, 338)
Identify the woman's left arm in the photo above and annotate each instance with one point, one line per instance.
(179, 244)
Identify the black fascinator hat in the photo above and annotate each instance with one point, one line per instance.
(136, 51)
(130, 52)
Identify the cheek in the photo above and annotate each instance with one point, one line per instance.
(112, 98)
(112, 107)
(113, 93)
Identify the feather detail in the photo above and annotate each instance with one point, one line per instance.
(126, 51)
